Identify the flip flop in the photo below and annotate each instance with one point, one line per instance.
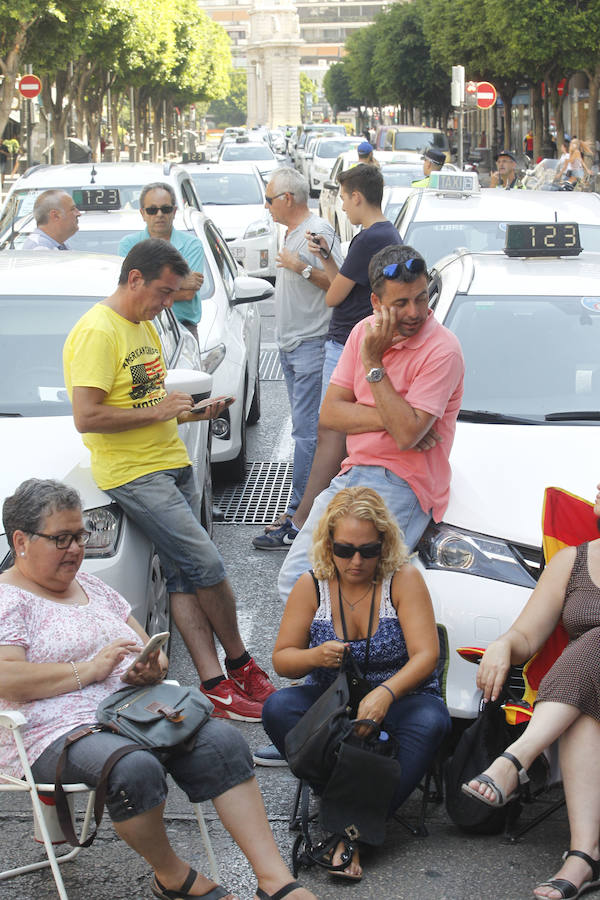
(159, 890)
(499, 800)
(280, 894)
(567, 889)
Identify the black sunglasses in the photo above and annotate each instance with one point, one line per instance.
(408, 267)
(165, 210)
(270, 199)
(347, 551)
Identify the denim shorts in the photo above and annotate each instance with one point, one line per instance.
(166, 506)
(219, 760)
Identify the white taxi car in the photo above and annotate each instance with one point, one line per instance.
(228, 332)
(127, 178)
(440, 219)
(320, 157)
(42, 295)
(529, 328)
(257, 152)
(234, 198)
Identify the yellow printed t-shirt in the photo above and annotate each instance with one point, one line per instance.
(123, 358)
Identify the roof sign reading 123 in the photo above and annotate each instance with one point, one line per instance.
(97, 198)
(540, 239)
(453, 181)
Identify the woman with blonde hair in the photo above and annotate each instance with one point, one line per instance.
(364, 595)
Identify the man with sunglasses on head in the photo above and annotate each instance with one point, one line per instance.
(301, 325)
(395, 393)
(158, 206)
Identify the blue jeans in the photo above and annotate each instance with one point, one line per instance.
(166, 506)
(419, 722)
(303, 369)
(398, 495)
(333, 351)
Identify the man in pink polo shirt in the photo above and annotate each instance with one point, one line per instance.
(396, 393)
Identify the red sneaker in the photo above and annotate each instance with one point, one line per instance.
(231, 703)
(253, 681)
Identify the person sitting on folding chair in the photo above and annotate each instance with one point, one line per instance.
(567, 707)
(67, 641)
(363, 584)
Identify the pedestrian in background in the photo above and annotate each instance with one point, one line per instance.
(57, 219)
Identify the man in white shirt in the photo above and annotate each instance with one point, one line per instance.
(57, 219)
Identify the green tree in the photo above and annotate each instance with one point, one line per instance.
(336, 86)
(361, 48)
(233, 109)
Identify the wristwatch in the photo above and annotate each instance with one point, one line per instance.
(374, 375)
(306, 272)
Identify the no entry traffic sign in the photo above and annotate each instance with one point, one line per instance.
(486, 94)
(30, 86)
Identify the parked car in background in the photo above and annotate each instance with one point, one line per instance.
(257, 152)
(411, 139)
(321, 157)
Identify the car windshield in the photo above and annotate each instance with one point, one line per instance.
(21, 201)
(392, 209)
(419, 140)
(227, 189)
(238, 153)
(528, 356)
(401, 177)
(332, 149)
(32, 333)
(436, 239)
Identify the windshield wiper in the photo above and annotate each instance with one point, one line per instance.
(485, 415)
(583, 415)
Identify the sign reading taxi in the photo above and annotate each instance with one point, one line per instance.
(30, 86)
(486, 94)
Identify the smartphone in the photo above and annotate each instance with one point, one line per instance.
(156, 641)
(199, 407)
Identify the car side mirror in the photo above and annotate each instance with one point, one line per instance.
(189, 381)
(247, 289)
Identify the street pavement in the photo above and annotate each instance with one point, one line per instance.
(446, 865)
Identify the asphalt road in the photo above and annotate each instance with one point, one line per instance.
(446, 865)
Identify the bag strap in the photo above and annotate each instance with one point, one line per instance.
(62, 806)
(317, 588)
(344, 629)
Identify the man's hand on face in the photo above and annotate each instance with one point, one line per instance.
(379, 337)
(173, 405)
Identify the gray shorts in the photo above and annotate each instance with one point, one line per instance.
(166, 506)
(219, 761)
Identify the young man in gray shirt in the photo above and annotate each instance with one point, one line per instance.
(301, 325)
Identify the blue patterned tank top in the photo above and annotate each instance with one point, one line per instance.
(387, 653)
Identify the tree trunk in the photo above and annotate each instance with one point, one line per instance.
(591, 134)
(59, 111)
(117, 103)
(538, 120)
(9, 67)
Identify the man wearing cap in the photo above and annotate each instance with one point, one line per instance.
(506, 177)
(365, 155)
(433, 160)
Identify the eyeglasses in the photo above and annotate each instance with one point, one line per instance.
(270, 199)
(165, 210)
(408, 267)
(347, 551)
(64, 540)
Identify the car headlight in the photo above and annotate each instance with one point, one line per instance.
(212, 359)
(257, 229)
(450, 549)
(104, 523)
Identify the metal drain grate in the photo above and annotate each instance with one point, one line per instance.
(263, 495)
(270, 366)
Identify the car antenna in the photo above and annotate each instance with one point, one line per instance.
(92, 174)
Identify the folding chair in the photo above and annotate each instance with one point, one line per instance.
(567, 520)
(46, 827)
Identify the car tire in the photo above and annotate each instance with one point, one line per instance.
(254, 413)
(159, 605)
(206, 516)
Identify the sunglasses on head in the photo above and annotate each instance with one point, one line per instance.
(347, 551)
(165, 210)
(408, 267)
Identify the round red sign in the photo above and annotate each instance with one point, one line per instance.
(30, 86)
(486, 94)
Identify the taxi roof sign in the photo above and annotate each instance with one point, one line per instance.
(542, 239)
(97, 198)
(458, 182)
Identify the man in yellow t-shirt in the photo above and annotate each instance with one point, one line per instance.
(115, 373)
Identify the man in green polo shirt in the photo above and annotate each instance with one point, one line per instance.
(158, 207)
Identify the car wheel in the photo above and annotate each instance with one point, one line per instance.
(254, 414)
(234, 470)
(159, 606)
(206, 516)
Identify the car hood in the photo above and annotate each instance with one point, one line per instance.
(232, 221)
(46, 447)
(499, 473)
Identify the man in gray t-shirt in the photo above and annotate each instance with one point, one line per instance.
(301, 325)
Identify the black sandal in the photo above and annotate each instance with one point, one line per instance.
(567, 889)
(499, 800)
(280, 894)
(159, 890)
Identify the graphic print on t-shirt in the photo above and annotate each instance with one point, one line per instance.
(147, 377)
